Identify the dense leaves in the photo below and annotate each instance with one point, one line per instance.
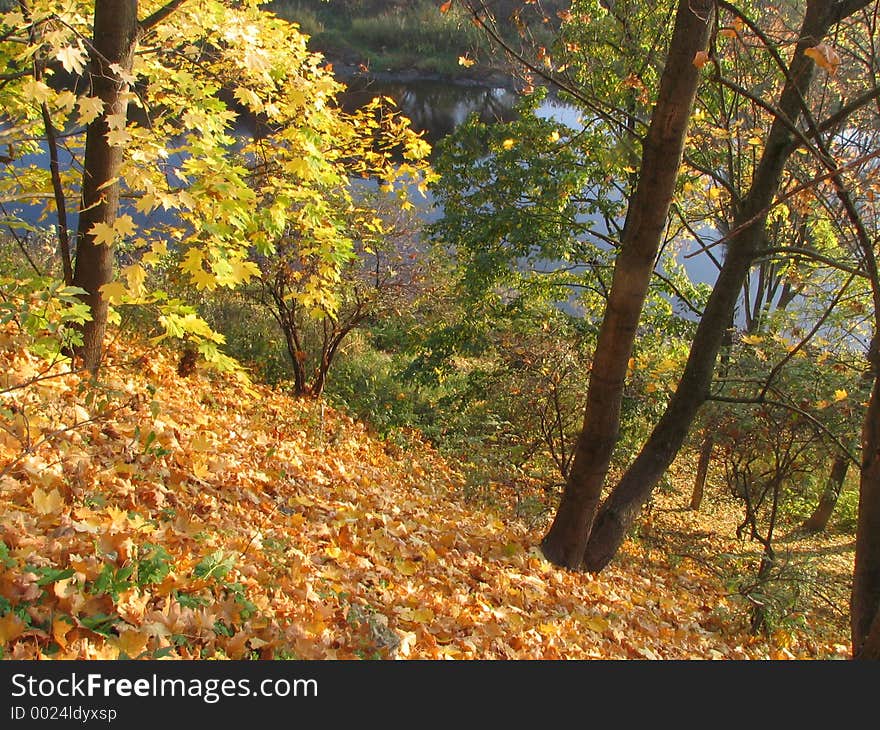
(233, 148)
(200, 517)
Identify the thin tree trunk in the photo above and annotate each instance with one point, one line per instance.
(115, 39)
(566, 540)
(58, 190)
(621, 508)
(702, 471)
(865, 599)
(818, 521)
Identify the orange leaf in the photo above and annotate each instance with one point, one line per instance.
(701, 59)
(132, 643)
(60, 629)
(11, 627)
(825, 57)
(444, 8)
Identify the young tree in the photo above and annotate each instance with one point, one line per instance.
(623, 504)
(662, 148)
(111, 53)
(160, 169)
(383, 276)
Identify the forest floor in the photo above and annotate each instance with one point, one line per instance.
(160, 515)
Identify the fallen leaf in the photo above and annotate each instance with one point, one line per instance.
(47, 503)
(61, 627)
(11, 627)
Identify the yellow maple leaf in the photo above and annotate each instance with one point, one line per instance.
(47, 503)
(157, 252)
(61, 627)
(840, 395)
(103, 233)
(192, 264)
(146, 203)
(36, 91)
(200, 469)
(124, 226)
(201, 442)
(90, 108)
(595, 623)
(243, 271)
(406, 567)
(249, 98)
(135, 275)
(204, 280)
(132, 643)
(118, 138)
(422, 615)
(465, 61)
(72, 58)
(508, 143)
(123, 74)
(115, 292)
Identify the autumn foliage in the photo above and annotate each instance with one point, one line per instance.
(204, 517)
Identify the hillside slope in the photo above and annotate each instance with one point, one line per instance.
(161, 515)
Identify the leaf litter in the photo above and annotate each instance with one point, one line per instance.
(160, 516)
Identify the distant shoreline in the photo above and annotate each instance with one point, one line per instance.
(497, 79)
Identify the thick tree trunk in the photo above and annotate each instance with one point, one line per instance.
(865, 598)
(621, 508)
(818, 521)
(115, 39)
(566, 540)
(702, 471)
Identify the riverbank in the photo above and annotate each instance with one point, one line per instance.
(399, 43)
(481, 77)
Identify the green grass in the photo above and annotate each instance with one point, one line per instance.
(415, 36)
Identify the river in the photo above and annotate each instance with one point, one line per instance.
(437, 108)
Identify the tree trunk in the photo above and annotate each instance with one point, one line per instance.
(115, 39)
(566, 540)
(702, 471)
(621, 508)
(865, 597)
(818, 521)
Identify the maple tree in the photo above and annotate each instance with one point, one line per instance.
(662, 148)
(150, 124)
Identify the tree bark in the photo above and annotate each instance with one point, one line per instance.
(818, 521)
(702, 471)
(662, 149)
(865, 598)
(621, 508)
(114, 42)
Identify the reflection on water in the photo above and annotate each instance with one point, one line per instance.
(434, 107)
